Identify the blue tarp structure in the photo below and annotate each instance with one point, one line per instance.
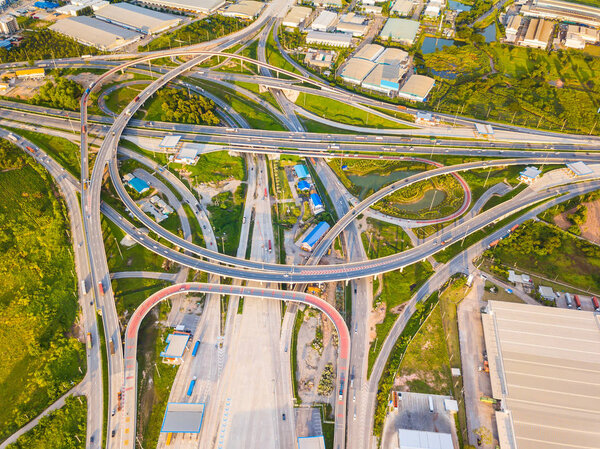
(6, 44)
(303, 185)
(315, 235)
(139, 185)
(301, 171)
(46, 5)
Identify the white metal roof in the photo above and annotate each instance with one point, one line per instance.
(183, 417)
(579, 168)
(176, 344)
(546, 362)
(95, 32)
(417, 439)
(311, 442)
(244, 9)
(296, 15)
(370, 52)
(324, 20)
(357, 69)
(204, 6)
(137, 17)
(169, 141)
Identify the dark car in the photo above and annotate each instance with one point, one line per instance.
(283, 416)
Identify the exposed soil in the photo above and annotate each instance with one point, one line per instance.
(561, 219)
(84, 79)
(591, 228)
(377, 316)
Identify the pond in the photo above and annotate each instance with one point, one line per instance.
(458, 6)
(373, 181)
(446, 74)
(432, 198)
(489, 32)
(430, 44)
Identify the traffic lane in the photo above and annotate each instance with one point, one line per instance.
(351, 270)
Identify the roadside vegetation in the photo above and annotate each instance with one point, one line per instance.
(423, 309)
(131, 292)
(45, 44)
(154, 377)
(42, 358)
(226, 218)
(203, 30)
(344, 113)
(118, 99)
(539, 248)
(64, 428)
(63, 151)
(177, 105)
(215, 167)
(62, 94)
(526, 86)
(391, 290)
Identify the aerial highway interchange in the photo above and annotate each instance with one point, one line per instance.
(262, 275)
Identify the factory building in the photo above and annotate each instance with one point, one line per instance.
(297, 16)
(329, 39)
(403, 31)
(563, 11)
(316, 205)
(8, 25)
(356, 70)
(196, 6)
(246, 9)
(538, 35)
(402, 8)
(324, 21)
(136, 18)
(416, 88)
(315, 235)
(544, 363)
(95, 32)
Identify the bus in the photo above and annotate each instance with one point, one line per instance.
(341, 393)
(195, 350)
(191, 387)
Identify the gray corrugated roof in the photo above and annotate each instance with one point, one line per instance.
(94, 32)
(138, 17)
(548, 362)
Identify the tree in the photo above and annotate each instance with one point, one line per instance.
(65, 94)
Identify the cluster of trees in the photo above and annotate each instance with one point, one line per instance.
(179, 106)
(226, 217)
(533, 238)
(317, 343)
(65, 94)
(292, 40)
(45, 44)
(423, 309)
(327, 381)
(64, 428)
(38, 304)
(479, 7)
(577, 218)
(200, 31)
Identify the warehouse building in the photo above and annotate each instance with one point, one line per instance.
(315, 235)
(384, 78)
(317, 442)
(328, 3)
(539, 32)
(563, 11)
(403, 31)
(513, 28)
(416, 88)
(81, 7)
(329, 39)
(544, 365)
(246, 9)
(324, 21)
(95, 32)
(392, 56)
(30, 73)
(402, 8)
(301, 171)
(316, 204)
(196, 6)
(356, 70)
(418, 439)
(297, 16)
(136, 18)
(8, 25)
(355, 29)
(369, 52)
(578, 36)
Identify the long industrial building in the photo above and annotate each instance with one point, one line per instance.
(95, 32)
(565, 11)
(136, 18)
(197, 6)
(545, 371)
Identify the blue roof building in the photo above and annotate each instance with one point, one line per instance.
(316, 204)
(6, 44)
(303, 185)
(176, 344)
(301, 171)
(138, 185)
(46, 5)
(315, 235)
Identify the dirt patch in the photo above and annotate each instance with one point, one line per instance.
(591, 228)
(561, 220)
(398, 309)
(377, 316)
(84, 79)
(25, 89)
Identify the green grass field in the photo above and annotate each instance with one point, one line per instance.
(130, 293)
(63, 151)
(426, 363)
(539, 248)
(343, 113)
(226, 218)
(62, 429)
(215, 167)
(38, 294)
(118, 99)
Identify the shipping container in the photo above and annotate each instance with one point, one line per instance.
(577, 302)
(569, 300)
(595, 303)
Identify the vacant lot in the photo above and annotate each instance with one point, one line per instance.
(38, 302)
